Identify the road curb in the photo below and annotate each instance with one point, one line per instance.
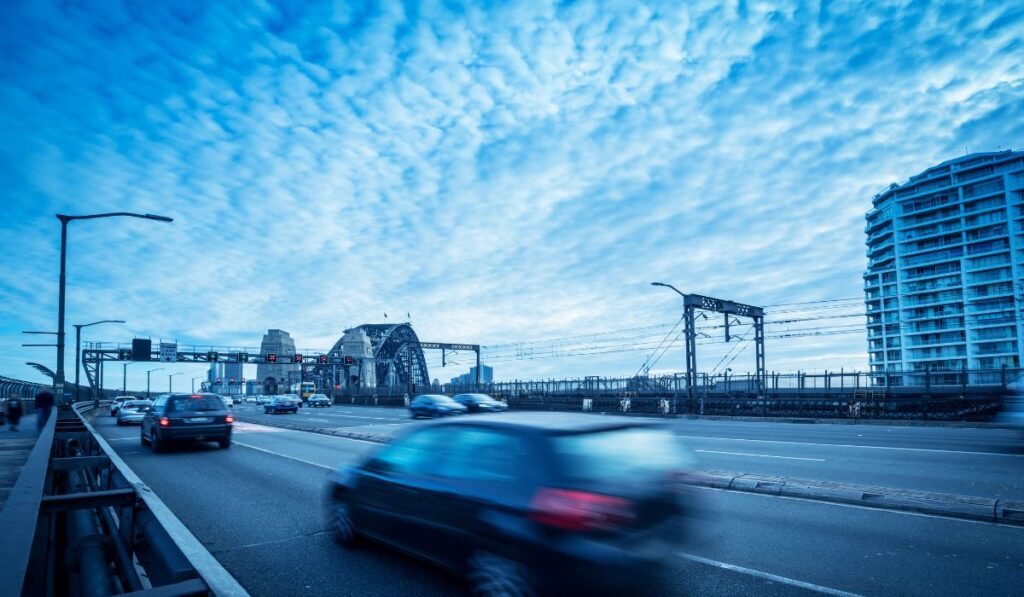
(1009, 512)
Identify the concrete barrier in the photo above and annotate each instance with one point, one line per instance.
(999, 511)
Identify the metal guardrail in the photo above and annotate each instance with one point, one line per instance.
(79, 521)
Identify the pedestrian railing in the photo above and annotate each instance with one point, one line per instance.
(80, 522)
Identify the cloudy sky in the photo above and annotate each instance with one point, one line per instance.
(513, 175)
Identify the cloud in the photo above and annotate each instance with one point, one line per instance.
(502, 173)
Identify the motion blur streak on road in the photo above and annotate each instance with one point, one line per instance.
(258, 508)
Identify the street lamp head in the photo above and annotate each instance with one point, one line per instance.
(158, 218)
(657, 284)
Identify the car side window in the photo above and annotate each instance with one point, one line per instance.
(158, 405)
(477, 454)
(415, 454)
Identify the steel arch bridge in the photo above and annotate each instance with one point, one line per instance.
(396, 351)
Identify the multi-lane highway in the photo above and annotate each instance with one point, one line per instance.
(257, 508)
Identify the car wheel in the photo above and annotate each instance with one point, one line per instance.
(225, 443)
(414, 415)
(344, 528)
(491, 575)
(142, 437)
(156, 444)
(120, 423)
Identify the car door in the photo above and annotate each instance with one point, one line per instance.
(483, 484)
(397, 485)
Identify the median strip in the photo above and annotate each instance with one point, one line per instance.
(1000, 511)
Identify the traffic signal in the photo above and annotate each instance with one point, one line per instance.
(243, 380)
(232, 380)
(350, 361)
(124, 354)
(323, 359)
(242, 357)
(212, 356)
(271, 357)
(218, 380)
(298, 358)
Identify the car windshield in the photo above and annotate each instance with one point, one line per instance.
(621, 455)
(195, 403)
(137, 403)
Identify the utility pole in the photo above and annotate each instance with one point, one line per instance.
(58, 377)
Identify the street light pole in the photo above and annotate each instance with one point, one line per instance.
(78, 350)
(690, 340)
(170, 380)
(58, 377)
(147, 380)
(194, 384)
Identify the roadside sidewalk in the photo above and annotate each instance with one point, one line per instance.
(14, 450)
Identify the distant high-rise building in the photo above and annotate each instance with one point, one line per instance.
(486, 376)
(946, 261)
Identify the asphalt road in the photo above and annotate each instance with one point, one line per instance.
(984, 462)
(257, 507)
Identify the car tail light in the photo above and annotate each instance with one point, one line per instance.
(575, 510)
(229, 419)
(164, 421)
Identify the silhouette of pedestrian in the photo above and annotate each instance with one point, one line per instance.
(44, 404)
(14, 412)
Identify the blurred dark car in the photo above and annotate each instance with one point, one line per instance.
(133, 411)
(280, 404)
(186, 417)
(319, 400)
(480, 403)
(524, 502)
(434, 405)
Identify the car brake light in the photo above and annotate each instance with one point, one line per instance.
(575, 510)
(164, 421)
(229, 419)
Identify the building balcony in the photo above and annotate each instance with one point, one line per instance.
(921, 233)
(926, 328)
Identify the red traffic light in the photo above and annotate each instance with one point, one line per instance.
(271, 358)
(349, 361)
(243, 380)
(232, 380)
(218, 380)
(323, 359)
(298, 358)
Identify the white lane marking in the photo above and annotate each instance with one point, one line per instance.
(859, 507)
(768, 576)
(317, 420)
(761, 455)
(120, 439)
(900, 449)
(251, 447)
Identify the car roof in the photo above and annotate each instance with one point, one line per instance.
(553, 423)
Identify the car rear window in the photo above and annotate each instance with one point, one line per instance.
(138, 403)
(195, 403)
(624, 455)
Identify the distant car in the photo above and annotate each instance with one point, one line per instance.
(261, 399)
(294, 398)
(434, 405)
(132, 411)
(228, 400)
(281, 404)
(480, 403)
(319, 400)
(598, 511)
(1012, 414)
(186, 417)
(118, 401)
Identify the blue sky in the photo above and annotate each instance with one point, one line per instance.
(503, 174)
